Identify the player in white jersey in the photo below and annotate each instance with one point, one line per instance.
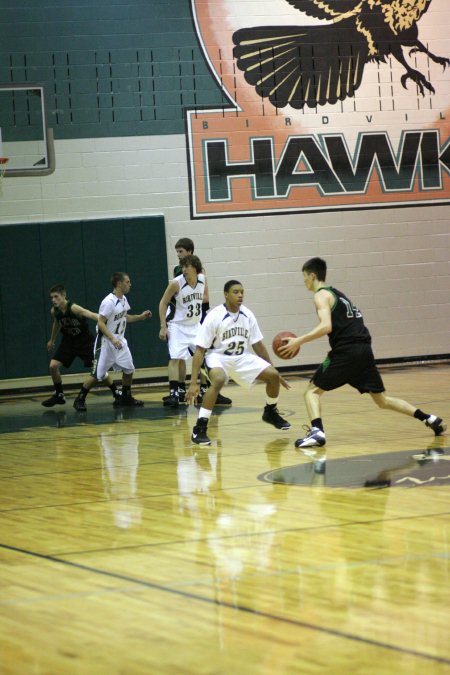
(226, 335)
(111, 348)
(188, 290)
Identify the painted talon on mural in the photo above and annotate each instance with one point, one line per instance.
(421, 81)
(440, 60)
(314, 65)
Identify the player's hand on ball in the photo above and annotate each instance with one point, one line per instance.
(289, 348)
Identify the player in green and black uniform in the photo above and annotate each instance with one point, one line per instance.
(350, 361)
(70, 320)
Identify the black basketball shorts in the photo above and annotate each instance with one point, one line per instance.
(353, 364)
(68, 352)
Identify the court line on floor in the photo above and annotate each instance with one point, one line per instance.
(264, 533)
(241, 608)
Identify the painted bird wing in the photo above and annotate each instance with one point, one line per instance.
(298, 66)
(326, 9)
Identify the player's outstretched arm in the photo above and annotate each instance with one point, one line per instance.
(78, 310)
(261, 350)
(132, 318)
(322, 300)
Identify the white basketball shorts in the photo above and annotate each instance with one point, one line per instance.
(110, 357)
(242, 369)
(181, 340)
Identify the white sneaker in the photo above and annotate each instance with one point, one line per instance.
(315, 438)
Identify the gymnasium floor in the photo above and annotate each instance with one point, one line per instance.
(126, 549)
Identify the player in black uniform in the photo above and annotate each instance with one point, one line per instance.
(350, 361)
(184, 247)
(70, 320)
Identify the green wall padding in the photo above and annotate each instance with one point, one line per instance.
(82, 255)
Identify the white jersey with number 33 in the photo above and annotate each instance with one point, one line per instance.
(115, 310)
(231, 334)
(188, 301)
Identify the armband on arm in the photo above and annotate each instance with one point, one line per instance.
(205, 308)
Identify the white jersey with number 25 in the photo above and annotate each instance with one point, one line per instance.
(230, 334)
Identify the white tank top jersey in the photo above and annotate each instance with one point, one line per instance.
(188, 301)
(115, 310)
(229, 334)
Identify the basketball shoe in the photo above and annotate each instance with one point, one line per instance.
(221, 400)
(171, 401)
(56, 399)
(437, 425)
(313, 439)
(199, 435)
(128, 402)
(80, 404)
(272, 416)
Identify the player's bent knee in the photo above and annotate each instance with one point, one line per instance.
(312, 390)
(380, 400)
(270, 375)
(217, 378)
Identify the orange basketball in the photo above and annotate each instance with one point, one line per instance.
(278, 341)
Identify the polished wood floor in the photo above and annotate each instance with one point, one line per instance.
(124, 549)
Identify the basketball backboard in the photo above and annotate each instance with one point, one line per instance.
(24, 136)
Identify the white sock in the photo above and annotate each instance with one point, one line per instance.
(204, 412)
(271, 401)
(431, 419)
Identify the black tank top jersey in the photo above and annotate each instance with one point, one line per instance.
(346, 320)
(72, 327)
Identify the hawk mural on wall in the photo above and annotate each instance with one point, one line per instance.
(314, 65)
(327, 105)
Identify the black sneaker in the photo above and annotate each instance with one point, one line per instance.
(223, 400)
(202, 392)
(199, 435)
(80, 404)
(181, 397)
(315, 438)
(130, 402)
(272, 416)
(117, 400)
(171, 401)
(438, 426)
(56, 399)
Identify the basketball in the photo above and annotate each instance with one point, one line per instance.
(278, 341)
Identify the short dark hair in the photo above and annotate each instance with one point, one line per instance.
(58, 288)
(117, 277)
(316, 265)
(185, 243)
(192, 260)
(229, 284)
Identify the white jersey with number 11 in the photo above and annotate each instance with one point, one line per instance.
(115, 310)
